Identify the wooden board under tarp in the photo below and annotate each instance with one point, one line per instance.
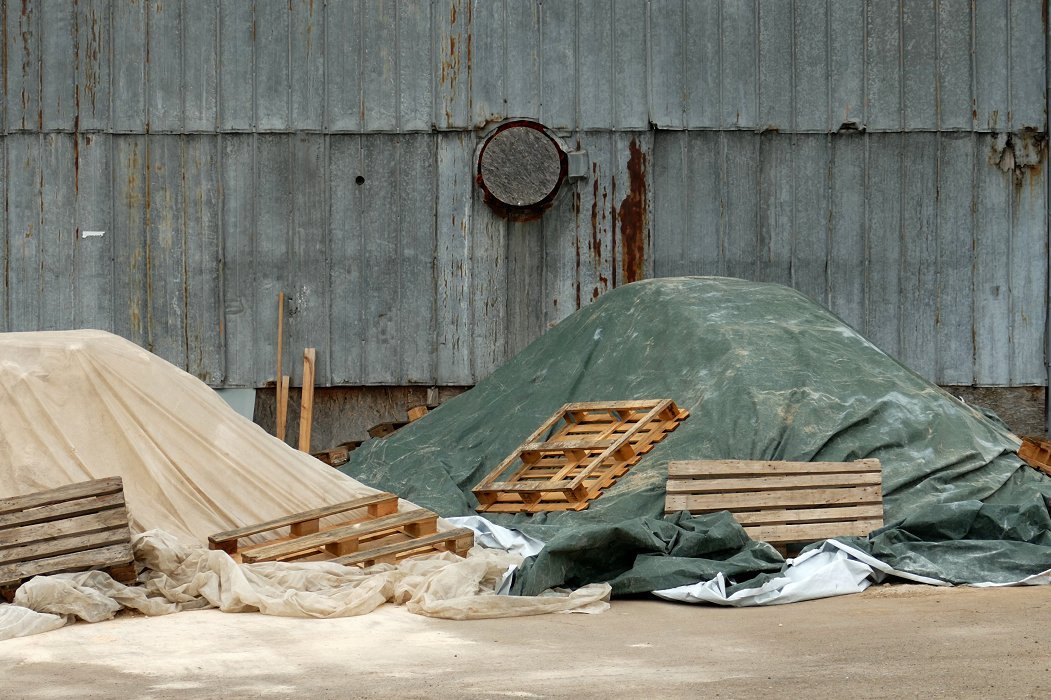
(73, 528)
(371, 531)
(591, 445)
(782, 502)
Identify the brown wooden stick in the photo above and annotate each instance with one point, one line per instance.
(306, 407)
(280, 428)
(282, 406)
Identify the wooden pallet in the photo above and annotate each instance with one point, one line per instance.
(338, 455)
(381, 534)
(782, 502)
(74, 528)
(1036, 453)
(591, 445)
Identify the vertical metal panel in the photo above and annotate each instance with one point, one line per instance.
(883, 242)
(5, 245)
(847, 229)
(237, 31)
(343, 74)
(522, 62)
(810, 220)
(57, 201)
(704, 158)
(237, 153)
(919, 257)
(451, 27)
(166, 250)
(272, 256)
(847, 56)
(558, 68)
(93, 64)
(919, 40)
(631, 91)
(738, 63)
(954, 64)
(270, 39)
(703, 68)
(22, 274)
(559, 264)
(164, 67)
(1026, 41)
(452, 263)
(1028, 276)
(200, 64)
(488, 43)
(488, 287)
(415, 82)
(201, 178)
(347, 262)
(992, 273)
(667, 64)
(128, 67)
(57, 70)
(740, 209)
(595, 77)
(671, 201)
(775, 65)
(991, 64)
(525, 286)
(307, 74)
(883, 65)
(594, 220)
(130, 264)
(381, 235)
(812, 71)
(22, 79)
(379, 66)
(417, 182)
(307, 291)
(954, 301)
(776, 194)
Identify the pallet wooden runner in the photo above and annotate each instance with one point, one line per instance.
(591, 445)
(782, 502)
(73, 528)
(382, 534)
(1036, 453)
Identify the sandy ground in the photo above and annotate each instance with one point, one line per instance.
(891, 641)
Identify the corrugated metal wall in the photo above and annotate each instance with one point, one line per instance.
(887, 159)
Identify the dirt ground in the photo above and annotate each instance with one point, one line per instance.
(891, 641)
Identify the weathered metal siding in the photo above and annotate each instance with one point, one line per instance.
(234, 149)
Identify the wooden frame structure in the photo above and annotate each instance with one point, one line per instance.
(782, 503)
(73, 528)
(382, 534)
(590, 446)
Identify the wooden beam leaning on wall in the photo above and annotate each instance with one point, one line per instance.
(306, 406)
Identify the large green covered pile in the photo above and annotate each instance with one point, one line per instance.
(766, 374)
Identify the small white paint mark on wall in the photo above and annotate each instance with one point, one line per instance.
(92, 234)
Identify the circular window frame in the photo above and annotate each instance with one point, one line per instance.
(523, 212)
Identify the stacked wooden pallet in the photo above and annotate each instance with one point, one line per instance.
(1036, 453)
(590, 446)
(782, 502)
(380, 534)
(74, 528)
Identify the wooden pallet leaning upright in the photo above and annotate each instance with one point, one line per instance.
(592, 445)
(73, 528)
(782, 503)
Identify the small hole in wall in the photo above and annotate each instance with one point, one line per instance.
(360, 179)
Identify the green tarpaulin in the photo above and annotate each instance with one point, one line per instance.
(766, 374)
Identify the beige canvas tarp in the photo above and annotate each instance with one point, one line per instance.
(80, 405)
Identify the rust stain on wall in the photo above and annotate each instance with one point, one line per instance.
(633, 218)
(1021, 156)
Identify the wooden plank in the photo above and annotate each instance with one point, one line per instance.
(278, 378)
(80, 525)
(732, 467)
(64, 545)
(735, 501)
(339, 534)
(458, 541)
(282, 406)
(775, 483)
(113, 555)
(67, 509)
(87, 489)
(378, 502)
(306, 410)
(813, 532)
(808, 515)
(611, 405)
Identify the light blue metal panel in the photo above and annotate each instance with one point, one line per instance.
(22, 37)
(128, 67)
(920, 44)
(164, 70)
(1026, 43)
(703, 86)
(847, 229)
(847, 55)
(630, 93)
(667, 64)
(58, 55)
(738, 63)
(522, 32)
(200, 65)
(813, 72)
(776, 67)
(883, 55)
(991, 65)
(379, 66)
(270, 39)
(558, 68)
(596, 81)
(488, 43)
(954, 65)
(452, 264)
(344, 28)
(307, 70)
(415, 80)
(166, 279)
(450, 22)
(237, 65)
(93, 252)
(346, 273)
(237, 154)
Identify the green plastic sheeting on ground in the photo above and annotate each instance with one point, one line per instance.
(766, 374)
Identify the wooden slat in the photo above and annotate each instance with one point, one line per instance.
(87, 489)
(317, 513)
(733, 467)
(812, 532)
(67, 509)
(82, 525)
(338, 534)
(611, 405)
(708, 503)
(65, 545)
(808, 515)
(773, 483)
(113, 555)
(457, 540)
